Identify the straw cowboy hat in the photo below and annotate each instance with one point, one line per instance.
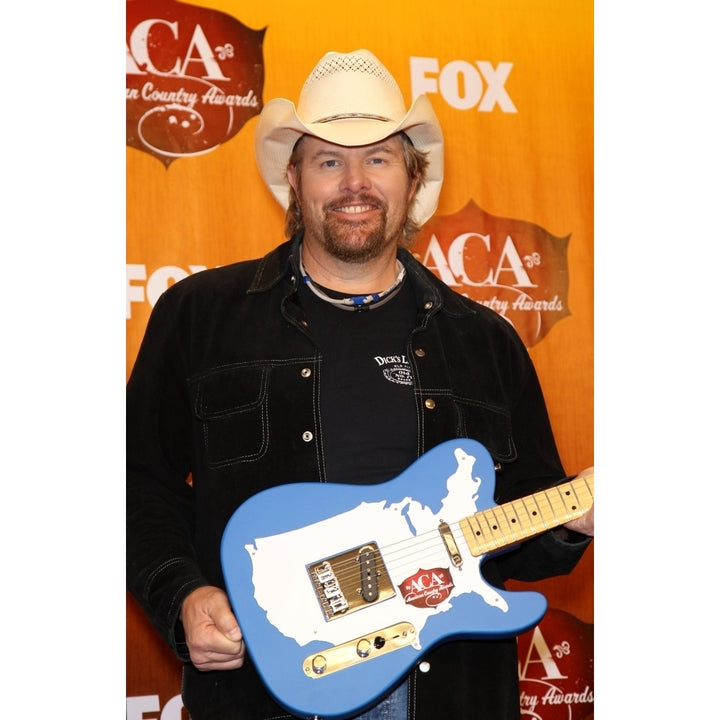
(349, 99)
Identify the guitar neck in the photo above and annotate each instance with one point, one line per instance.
(511, 522)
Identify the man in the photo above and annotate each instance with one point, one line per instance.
(265, 372)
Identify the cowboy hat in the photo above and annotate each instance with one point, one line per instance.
(349, 99)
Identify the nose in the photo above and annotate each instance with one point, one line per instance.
(355, 177)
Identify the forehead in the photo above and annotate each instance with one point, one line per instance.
(314, 145)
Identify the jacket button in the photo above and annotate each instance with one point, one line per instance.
(307, 436)
(430, 404)
(306, 372)
(419, 352)
(424, 667)
(429, 304)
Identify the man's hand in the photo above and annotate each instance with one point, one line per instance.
(212, 633)
(586, 523)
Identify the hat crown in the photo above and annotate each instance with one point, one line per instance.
(352, 85)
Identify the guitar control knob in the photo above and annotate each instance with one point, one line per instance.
(319, 664)
(363, 648)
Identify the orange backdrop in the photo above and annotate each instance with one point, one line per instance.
(532, 161)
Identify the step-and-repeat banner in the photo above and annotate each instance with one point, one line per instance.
(512, 84)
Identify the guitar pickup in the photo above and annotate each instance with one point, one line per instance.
(350, 581)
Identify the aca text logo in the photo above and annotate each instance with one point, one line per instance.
(555, 668)
(514, 267)
(194, 77)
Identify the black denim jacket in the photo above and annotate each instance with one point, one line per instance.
(225, 393)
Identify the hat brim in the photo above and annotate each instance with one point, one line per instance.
(279, 128)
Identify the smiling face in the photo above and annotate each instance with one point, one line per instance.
(354, 200)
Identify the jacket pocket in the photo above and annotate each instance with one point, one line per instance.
(231, 406)
(489, 425)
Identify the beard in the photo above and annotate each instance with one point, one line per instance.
(351, 241)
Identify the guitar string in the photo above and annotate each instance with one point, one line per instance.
(348, 568)
(491, 521)
(429, 544)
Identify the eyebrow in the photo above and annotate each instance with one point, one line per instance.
(382, 147)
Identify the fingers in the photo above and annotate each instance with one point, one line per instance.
(212, 633)
(207, 659)
(584, 524)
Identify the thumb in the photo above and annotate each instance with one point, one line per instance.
(232, 633)
(226, 623)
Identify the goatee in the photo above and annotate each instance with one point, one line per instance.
(356, 242)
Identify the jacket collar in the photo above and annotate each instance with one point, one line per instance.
(432, 294)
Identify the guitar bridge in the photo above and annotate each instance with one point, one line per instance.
(350, 581)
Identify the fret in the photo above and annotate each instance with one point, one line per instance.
(501, 521)
(521, 513)
(535, 516)
(480, 530)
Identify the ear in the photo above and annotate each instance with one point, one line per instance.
(292, 178)
(413, 188)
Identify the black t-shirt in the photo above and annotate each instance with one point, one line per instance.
(369, 426)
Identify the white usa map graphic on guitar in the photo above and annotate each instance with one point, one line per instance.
(387, 524)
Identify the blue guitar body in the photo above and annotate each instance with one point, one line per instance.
(341, 589)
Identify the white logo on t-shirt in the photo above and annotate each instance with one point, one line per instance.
(395, 368)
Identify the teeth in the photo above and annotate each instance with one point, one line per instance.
(354, 209)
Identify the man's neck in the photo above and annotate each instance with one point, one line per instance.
(350, 278)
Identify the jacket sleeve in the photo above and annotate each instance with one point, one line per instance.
(161, 564)
(537, 466)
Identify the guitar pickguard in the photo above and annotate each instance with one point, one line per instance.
(418, 565)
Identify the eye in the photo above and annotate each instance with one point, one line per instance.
(329, 163)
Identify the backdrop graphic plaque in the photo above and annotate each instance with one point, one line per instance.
(194, 78)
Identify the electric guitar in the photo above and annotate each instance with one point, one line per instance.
(341, 589)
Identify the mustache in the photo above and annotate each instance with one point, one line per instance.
(362, 198)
